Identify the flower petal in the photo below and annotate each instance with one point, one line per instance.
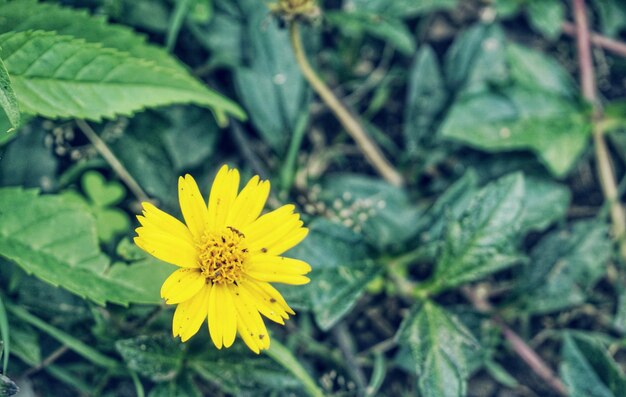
(223, 194)
(279, 232)
(249, 323)
(270, 295)
(278, 269)
(155, 218)
(267, 223)
(182, 285)
(222, 316)
(264, 304)
(166, 247)
(249, 203)
(192, 205)
(190, 314)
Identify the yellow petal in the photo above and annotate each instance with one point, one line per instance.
(269, 303)
(192, 205)
(155, 218)
(223, 194)
(190, 314)
(278, 269)
(182, 285)
(274, 296)
(267, 223)
(249, 323)
(166, 247)
(279, 232)
(288, 242)
(249, 203)
(263, 305)
(222, 316)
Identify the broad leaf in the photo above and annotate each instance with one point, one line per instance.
(342, 268)
(547, 16)
(588, 370)
(439, 344)
(552, 127)
(564, 267)
(545, 202)
(158, 357)
(55, 239)
(483, 240)
(8, 101)
(426, 96)
(60, 76)
(237, 372)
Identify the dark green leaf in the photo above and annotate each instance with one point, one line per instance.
(564, 266)
(545, 202)
(25, 343)
(552, 127)
(271, 87)
(588, 370)
(182, 386)
(389, 29)
(99, 82)
(403, 8)
(439, 344)
(8, 101)
(483, 240)
(158, 357)
(235, 371)
(341, 271)
(426, 97)
(547, 16)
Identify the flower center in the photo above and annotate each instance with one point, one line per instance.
(221, 255)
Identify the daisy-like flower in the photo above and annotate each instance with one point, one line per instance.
(228, 254)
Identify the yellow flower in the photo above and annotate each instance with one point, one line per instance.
(227, 255)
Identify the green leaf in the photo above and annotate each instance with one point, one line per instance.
(237, 372)
(483, 240)
(588, 370)
(146, 275)
(439, 344)
(611, 15)
(55, 239)
(8, 101)
(60, 76)
(547, 17)
(403, 8)
(380, 212)
(545, 202)
(25, 343)
(101, 192)
(5, 334)
(158, 357)
(390, 29)
(426, 97)
(284, 357)
(271, 88)
(552, 127)
(564, 266)
(341, 271)
(7, 387)
(182, 386)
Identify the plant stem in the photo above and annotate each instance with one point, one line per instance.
(113, 161)
(369, 148)
(525, 352)
(344, 340)
(283, 356)
(607, 43)
(603, 157)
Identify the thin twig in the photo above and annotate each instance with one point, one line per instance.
(521, 348)
(603, 157)
(344, 340)
(113, 161)
(599, 40)
(365, 143)
(55, 355)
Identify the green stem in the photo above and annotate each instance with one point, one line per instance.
(288, 171)
(180, 12)
(283, 356)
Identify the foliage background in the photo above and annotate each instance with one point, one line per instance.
(501, 227)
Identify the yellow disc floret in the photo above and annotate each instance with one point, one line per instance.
(222, 255)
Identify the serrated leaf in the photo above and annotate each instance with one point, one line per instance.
(514, 119)
(342, 268)
(380, 212)
(235, 371)
(55, 239)
(425, 98)
(389, 29)
(438, 343)
(588, 370)
(483, 240)
(564, 266)
(271, 87)
(60, 76)
(8, 101)
(158, 357)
